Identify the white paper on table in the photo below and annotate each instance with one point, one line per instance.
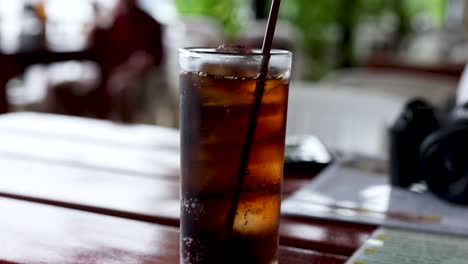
(390, 246)
(347, 191)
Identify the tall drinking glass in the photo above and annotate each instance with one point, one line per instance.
(224, 219)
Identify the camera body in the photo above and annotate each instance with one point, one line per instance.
(429, 145)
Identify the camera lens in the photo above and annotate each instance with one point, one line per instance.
(444, 165)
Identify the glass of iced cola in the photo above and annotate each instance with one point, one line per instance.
(223, 221)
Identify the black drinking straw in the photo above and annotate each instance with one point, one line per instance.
(257, 101)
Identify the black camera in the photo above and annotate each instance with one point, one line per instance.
(430, 145)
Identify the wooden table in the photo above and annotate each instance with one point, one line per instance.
(76, 190)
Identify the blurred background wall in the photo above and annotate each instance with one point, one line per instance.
(356, 62)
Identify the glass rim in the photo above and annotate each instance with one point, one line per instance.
(206, 51)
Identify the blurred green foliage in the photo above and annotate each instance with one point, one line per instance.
(435, 9)
(230, 13)
(326, 25)
(323, 22)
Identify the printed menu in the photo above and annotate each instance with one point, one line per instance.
(390, 246)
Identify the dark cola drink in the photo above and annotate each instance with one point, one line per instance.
(216, 102)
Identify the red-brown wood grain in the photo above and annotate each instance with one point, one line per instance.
(37, 233)
(128, 172)
(323, 235)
